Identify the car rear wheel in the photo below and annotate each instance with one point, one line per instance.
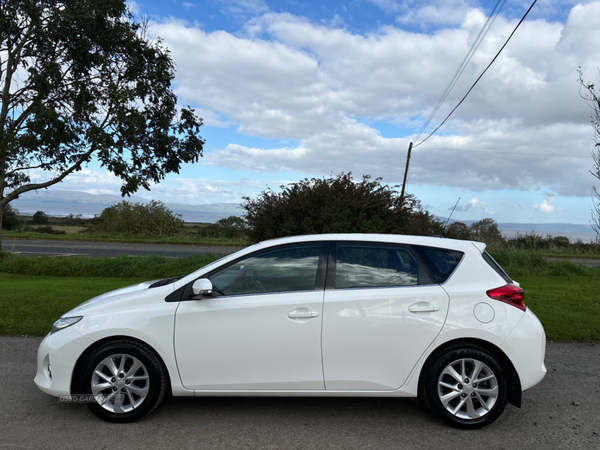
(126, 379)
(466, 387)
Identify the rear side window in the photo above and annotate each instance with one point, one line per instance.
(441, 261)
(366, 266)
(494, 265)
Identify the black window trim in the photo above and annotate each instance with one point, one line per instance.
(184, 293)
(489, 259)
(424, 276)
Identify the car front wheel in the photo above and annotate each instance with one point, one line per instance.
(126, 379)
(466, 387)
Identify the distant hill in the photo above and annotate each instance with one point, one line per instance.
(537, 227)
(79, 197)
(62, 196)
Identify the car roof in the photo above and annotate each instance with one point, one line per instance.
(430, 241)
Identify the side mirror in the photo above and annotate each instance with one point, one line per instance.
(202, 288)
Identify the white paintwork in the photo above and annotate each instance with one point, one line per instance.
(484, 312)
(251, 342)
(374, 341)
(526, 348)
(371, 340)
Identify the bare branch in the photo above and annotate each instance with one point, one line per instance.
(30, 187)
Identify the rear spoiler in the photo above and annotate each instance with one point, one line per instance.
(479, 246)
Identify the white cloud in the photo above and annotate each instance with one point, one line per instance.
(546, 206)
(173, 189)
(470, 205)
(287, 78)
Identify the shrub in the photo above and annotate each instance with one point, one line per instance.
(75, 220)
(40, 218)
(335, 205)
(44, 229)
(232, 227)
(9, 218)
(152, 218)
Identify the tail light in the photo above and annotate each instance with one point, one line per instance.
(511, 294)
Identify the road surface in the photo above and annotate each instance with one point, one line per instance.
(22, 247)
(562, 412)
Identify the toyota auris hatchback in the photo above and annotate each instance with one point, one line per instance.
(319, 315)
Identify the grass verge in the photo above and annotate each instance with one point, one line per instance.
(149, 267)
(30, 305)
(569, 307)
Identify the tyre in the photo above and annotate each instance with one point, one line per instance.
(466, 388)
(126, 379)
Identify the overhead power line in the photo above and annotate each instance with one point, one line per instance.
(478, 40)
(480, 76)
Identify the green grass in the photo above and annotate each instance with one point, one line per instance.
(30, 305)
(149, 267)
(88, 237)
(527, 263)
(568, 307)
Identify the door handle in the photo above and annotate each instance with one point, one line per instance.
(302, 313)
(423, 307)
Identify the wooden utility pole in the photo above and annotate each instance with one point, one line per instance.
(406, 170)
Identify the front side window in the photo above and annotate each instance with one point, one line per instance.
(362, 266)
(282, 270)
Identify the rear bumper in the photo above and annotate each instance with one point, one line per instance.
(526, 348)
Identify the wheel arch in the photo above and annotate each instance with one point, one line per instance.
(514, 393)
(76, 375)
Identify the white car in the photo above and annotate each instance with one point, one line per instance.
(360, 315)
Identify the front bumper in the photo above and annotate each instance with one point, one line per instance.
(56, 358)
(526, 348)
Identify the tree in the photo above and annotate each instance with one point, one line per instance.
(486, 230)
(458, 230)
(335, 205)
(80, 80)
(592, 96)
(11, 221)
(40, 217)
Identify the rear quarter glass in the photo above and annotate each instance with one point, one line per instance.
(441, 262)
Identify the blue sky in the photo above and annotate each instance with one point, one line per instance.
(292, 89)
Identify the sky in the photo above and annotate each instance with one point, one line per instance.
(294, 89)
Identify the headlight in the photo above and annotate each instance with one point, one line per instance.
(64, 322)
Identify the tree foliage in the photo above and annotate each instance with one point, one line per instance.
(591, 95)
(80, 80)
(335, 205)
(40, 217)
(10, 222)
(149, 219)
(458, 230)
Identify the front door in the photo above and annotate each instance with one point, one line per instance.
(261, 330)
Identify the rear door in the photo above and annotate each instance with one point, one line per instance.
(382, 309)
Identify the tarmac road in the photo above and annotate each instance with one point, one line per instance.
(562, 412)
(22, 247)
